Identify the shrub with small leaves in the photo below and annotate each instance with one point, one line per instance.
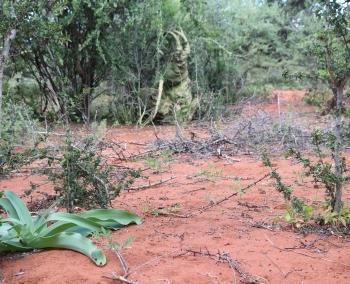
(82, 181)
(322, 172)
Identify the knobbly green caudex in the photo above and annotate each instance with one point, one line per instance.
(175, 100)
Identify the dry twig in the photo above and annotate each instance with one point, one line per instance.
(304, 254)
(224, 257)
(126, 270)
(145, 186)
(243, 190)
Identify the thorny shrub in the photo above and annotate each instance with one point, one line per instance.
(81, 180)
(78, 172)
(17, 129)
(318, 97)
(322, 172)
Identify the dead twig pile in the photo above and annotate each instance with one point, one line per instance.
(245, 135)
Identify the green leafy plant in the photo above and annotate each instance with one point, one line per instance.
(22, 232)
(211, 172)
(322, 172)
(159, 162)
(318, 98)
(80, 175)
(297, 213)
(335, 219)
(331, 50)
(81, 178)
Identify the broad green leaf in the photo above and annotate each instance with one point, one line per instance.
(343, 221)
(75, 219)
(308, 211)
(12, 246)
(6, 232)
(8, 207)
(22, 232)
(21, 210)
(121, 216)
(72, 241)
(111, 224)
(56, 228)
(287, 216)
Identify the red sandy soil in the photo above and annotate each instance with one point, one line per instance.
(274, 254)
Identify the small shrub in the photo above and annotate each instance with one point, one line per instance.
(20, 136)
(159, 162)
(81, 179)
(318, 97)
(322, 172)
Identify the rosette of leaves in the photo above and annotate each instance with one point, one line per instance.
(19, 231)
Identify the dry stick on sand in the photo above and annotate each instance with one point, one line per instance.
(211, 205)
(225, 257)
(141, 187)
(126, 270)
(304, 254)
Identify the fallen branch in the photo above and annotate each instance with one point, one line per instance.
(224, 257)
(213, 204)
(304, 254)
(246, 135)
(126, 270)
(121, 279)
(142, 187)
(243, 190)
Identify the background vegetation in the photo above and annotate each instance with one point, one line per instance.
(65, 61)
(84, 60)
(68, 53)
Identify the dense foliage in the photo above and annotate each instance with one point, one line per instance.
(117, 52)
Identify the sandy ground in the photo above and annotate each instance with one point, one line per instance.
(241, 227)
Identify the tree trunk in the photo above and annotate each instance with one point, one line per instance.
(3, 58)
(338, 160)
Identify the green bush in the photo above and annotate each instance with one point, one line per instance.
(318, 97)
(18, 130)
(81, 179)
(25, 91)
